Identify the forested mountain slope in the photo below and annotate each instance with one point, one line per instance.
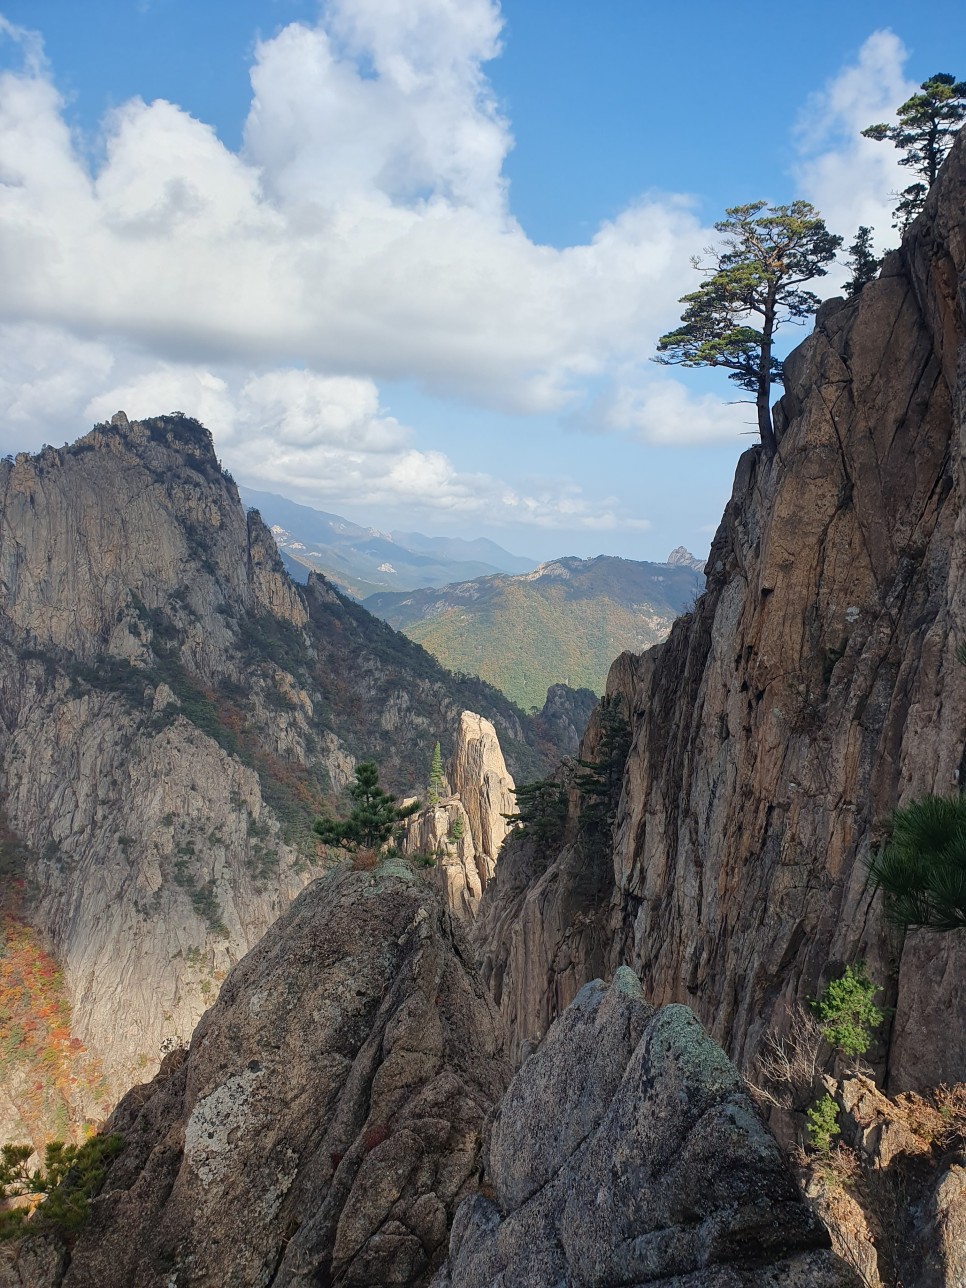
(563, 623)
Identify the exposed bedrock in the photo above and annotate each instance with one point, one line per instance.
(814, 687)
(627, 1151)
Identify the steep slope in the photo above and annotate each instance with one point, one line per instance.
(331, 1114)
(813, 688)
(562, 623)
(173, 711)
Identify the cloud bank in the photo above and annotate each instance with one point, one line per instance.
(363, 234)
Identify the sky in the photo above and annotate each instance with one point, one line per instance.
(409, 259)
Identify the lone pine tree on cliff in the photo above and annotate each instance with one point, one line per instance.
(926, 125)
(374, 814)
(754, 285)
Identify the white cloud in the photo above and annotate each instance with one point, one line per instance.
(324, 440)
(847, 177)
(665, 412)
(364, 228)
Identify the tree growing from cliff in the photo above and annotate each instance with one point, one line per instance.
(863, 262)
(374, 814)
(70, 1177)
(847, 1015)
(434, 790)
(922, 868)
(541, 813)
(926, 125)
(754, 284)
(599, 781)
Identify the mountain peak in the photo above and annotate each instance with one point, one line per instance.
(681, 557)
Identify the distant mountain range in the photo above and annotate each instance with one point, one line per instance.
(363, 561)
(564, 622)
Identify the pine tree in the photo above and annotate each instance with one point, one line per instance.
(926, 125)
(862, 261)
(373, 816)
(756, 276)
(541, 813)
(922, 869)
(599, 781)
(434, 791)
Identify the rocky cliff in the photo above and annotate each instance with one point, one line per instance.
(330, 1118)
(813, 688)
(172, 713)
(465, 829)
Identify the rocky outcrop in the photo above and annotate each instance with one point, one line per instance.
(813, 688)
(893, 1194)
(564, 716)
(681, 557)
(328, 1125)
(173, 712)
(441, 836)
(478, 775)
(627, 1151)
(463, 832)
(327, 1118)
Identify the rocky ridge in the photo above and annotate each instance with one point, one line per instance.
(330, 1118)
(173, 712)
(812, 688)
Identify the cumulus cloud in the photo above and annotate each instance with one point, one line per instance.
(363, 229)
(324, 440)
(362, 234)
(666, 412)
(848, 177)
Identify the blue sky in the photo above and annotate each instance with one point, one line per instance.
(409, 261)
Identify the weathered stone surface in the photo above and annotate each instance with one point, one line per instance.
(327, 1118)
(32, 1263)
(478, 775)
(172, 713)
(813, 688)
(460, 871)
(627, 1151)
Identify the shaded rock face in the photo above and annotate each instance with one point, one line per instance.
(894, 1198)
(173, 712)
(626, 1151)
(813, 688)
(543, 928)
(327, 1119)
(565, 714)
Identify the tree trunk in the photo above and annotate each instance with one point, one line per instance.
(763, 399)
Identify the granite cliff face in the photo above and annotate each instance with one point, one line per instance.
(173, 711)
(466, 828)
(812, 688)
(330, 1118)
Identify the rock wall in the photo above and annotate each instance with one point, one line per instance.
(813, 688)
(330, 1118)
(173, 712)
